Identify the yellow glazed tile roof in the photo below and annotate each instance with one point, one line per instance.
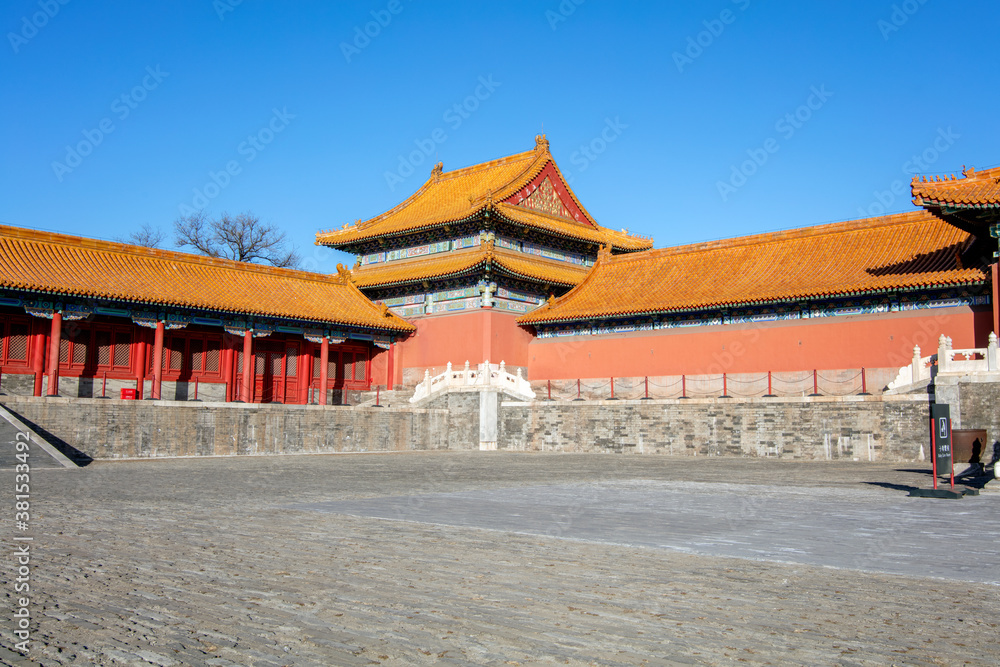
(464, 261)
(976, 189)
(550, 271)
(901, 251)
(568, 228)
(456, 195)
(74, 266)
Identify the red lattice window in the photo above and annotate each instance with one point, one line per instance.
(348, 367)
(191, 354)
(102, 343)
(123, 349)
(74, 345)
(331, 367)
(88, 349)
(14, 342)
(213, 350)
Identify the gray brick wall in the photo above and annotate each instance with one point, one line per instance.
(864, 430)
(463, 418)
(980, 408)
(110, 429)
(875, 428)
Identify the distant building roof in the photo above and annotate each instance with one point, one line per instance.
(73, 266)
(896, 252)
(502, 185)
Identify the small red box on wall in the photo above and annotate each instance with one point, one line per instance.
(128, 394)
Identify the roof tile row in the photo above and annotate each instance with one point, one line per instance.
(907, 250)
(74, 266)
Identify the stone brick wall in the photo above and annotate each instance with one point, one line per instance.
(890, 429)
(463, 417)
(111, 429)
(17, 384)
(979, 404)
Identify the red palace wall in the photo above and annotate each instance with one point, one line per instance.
(871, 341)
(473, 335)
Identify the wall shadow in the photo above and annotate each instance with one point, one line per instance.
(69, 451)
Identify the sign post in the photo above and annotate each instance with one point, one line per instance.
(941, 439)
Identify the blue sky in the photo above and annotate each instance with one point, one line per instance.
(680, 121)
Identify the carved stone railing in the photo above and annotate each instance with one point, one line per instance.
(485, 376)
(948, 361)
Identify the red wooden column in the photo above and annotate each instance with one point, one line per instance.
(246, 394)
(390, 371)
(228, 351)
(139, 348)
(157, 361)
(38, 354)
(324, 364)
(54, 341)
(996, 299)
(304, 367)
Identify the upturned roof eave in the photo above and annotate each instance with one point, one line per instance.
(404, 326)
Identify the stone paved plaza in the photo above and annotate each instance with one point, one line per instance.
(498, 558)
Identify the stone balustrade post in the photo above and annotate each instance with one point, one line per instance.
(916, 367)
(944, 356)
(992, 356)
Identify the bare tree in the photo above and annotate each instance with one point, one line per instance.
(147, 236)
(242, 237)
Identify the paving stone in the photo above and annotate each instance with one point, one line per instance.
(229, 561)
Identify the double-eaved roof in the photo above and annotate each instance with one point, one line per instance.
(497, 186)
(72, 266)
(878, 255)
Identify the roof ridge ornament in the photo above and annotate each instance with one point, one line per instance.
(343, 275)
(437, 170)
(541, 144)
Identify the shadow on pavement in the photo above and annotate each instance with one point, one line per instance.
(68, 450)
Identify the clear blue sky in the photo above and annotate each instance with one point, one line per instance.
(685, 92)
